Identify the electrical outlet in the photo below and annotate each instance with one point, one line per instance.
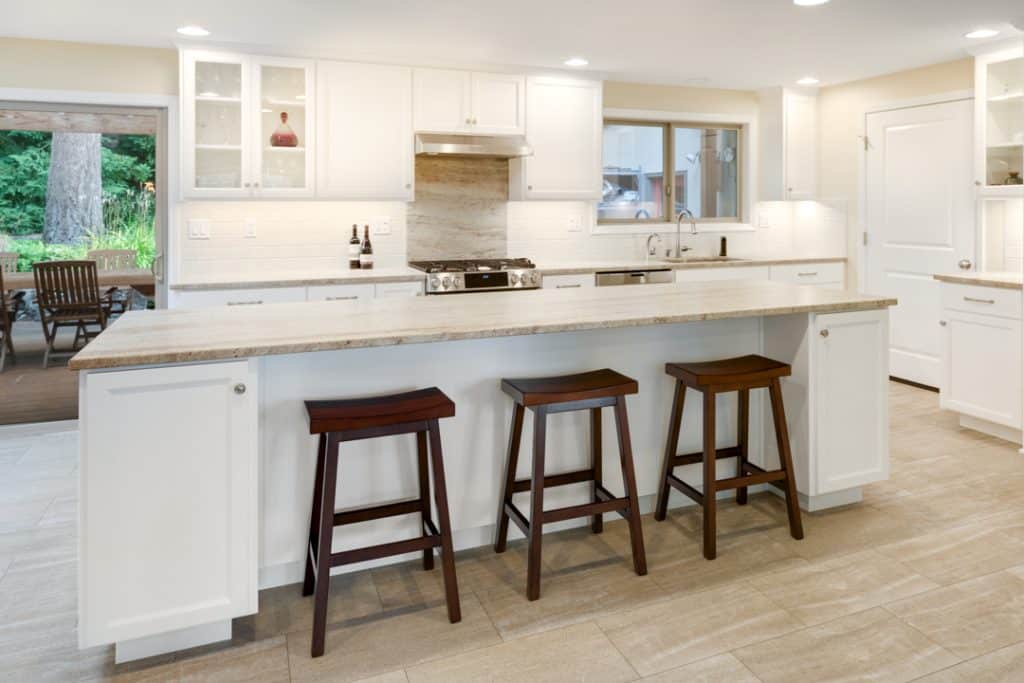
(249, 229)
(574, 224)
(198, 229)
(762, 219)
(381, 225)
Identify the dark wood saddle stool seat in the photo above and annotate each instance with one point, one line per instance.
(415, 412)
(586, 391)
(712, 378)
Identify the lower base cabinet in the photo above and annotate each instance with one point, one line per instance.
(165, 450)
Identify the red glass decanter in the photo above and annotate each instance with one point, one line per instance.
(284, 136)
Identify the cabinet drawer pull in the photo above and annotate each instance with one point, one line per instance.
(568, 286)
(979, 301)
(245, 303)
(342, 298)
(809, 274)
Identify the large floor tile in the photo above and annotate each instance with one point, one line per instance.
(575, 653)
(390, 641)
(969, 618)
(718, 669)
(670, 634)
(822, 591)
(262, 662)
(867, 646)
(1002, 666)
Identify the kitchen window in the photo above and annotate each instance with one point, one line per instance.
(653, 170)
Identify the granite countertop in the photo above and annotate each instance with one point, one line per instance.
(1000, 280)
(405, 274)
(583, 267)
(182, 336)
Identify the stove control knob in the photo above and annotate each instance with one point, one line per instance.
(446, 282)
(534, 278)
(435, 282)
(457, 282)
(514, 279)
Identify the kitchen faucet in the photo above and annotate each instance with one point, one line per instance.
(693, 230)
(653, 251)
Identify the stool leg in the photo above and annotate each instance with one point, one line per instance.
(313, 549)
(424, 476)
(742, 439)
(675, 418)
(540, 417)
(597, 525)
(451, 586)
(796, 528)
(515, 437)
(710, 542)
(323, 559)
(636, 536)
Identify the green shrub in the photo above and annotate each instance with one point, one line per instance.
(33, 251)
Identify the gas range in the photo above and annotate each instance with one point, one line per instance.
(478, 275)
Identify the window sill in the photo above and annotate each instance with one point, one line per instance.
(662, 228)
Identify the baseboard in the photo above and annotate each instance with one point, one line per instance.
(172, 641)
(992, 429)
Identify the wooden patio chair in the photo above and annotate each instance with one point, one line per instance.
(115, 299)
(68, 295)
(6, 321)
(15, 298)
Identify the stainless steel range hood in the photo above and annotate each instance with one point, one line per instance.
(494, 146)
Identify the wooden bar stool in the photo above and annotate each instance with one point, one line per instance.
(367, 418)
(712, 378)
(587, 391)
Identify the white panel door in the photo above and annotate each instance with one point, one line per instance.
(983, 367)
(849, 365)
(364, 119)
(919, 222)
(441, 101)
(499, 103)
(168, 510)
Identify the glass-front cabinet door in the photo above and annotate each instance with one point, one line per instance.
(247, 126)
(999, 107)
(284, 128)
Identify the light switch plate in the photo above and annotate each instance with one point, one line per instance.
(198, 229)
(249, 229)
(574, 224)
(381, 225)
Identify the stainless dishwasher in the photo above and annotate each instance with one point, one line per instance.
(635, 277)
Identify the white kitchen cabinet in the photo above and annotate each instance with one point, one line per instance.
(788, 145)
(468, 102)
(829, 275)
(981, 353)
(364, 114)
(339, 292)
(714, 274)
(168, 509)
(237, 297)
(398, 289)
(564, 126)
(999, 120)
(231, 105)
(574, 281)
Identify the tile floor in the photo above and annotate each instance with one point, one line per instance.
(923, 581)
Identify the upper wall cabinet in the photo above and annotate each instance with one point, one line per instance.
(247, 131)
(468, 102)
(564, 120)
(789, 145)
(364, 114)
(999, 122)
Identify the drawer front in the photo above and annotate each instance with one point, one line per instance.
(723, 273)
(577, 281)
(1005, 303)
(387, 289)
(239, 297)
(339, 292)
(809, 273)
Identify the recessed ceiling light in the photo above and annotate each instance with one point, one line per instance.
(809, 3)
(193, 31)
(808, 80)
(982, 33)
(576, 61)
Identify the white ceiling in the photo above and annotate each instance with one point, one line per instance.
(724, 43)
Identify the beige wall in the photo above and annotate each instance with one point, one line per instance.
(52, 65)
(841, 111)
(679, 99)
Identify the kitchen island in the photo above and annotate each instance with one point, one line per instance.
(197, 466)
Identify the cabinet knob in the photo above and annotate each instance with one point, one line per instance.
(529, 187)
(824, 333)
(942, 322)
(474, 120)
(469, 120)
(408, 186)
(978, 183)
(239, 388)
(248, 185)
(255, 184)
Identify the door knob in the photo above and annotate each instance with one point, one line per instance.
(965, 264)
(824, 333)
(239, 388)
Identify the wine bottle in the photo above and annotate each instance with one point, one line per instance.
(366, 253)
(354, 247)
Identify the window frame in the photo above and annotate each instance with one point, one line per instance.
(746, 121)
(669, 127)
